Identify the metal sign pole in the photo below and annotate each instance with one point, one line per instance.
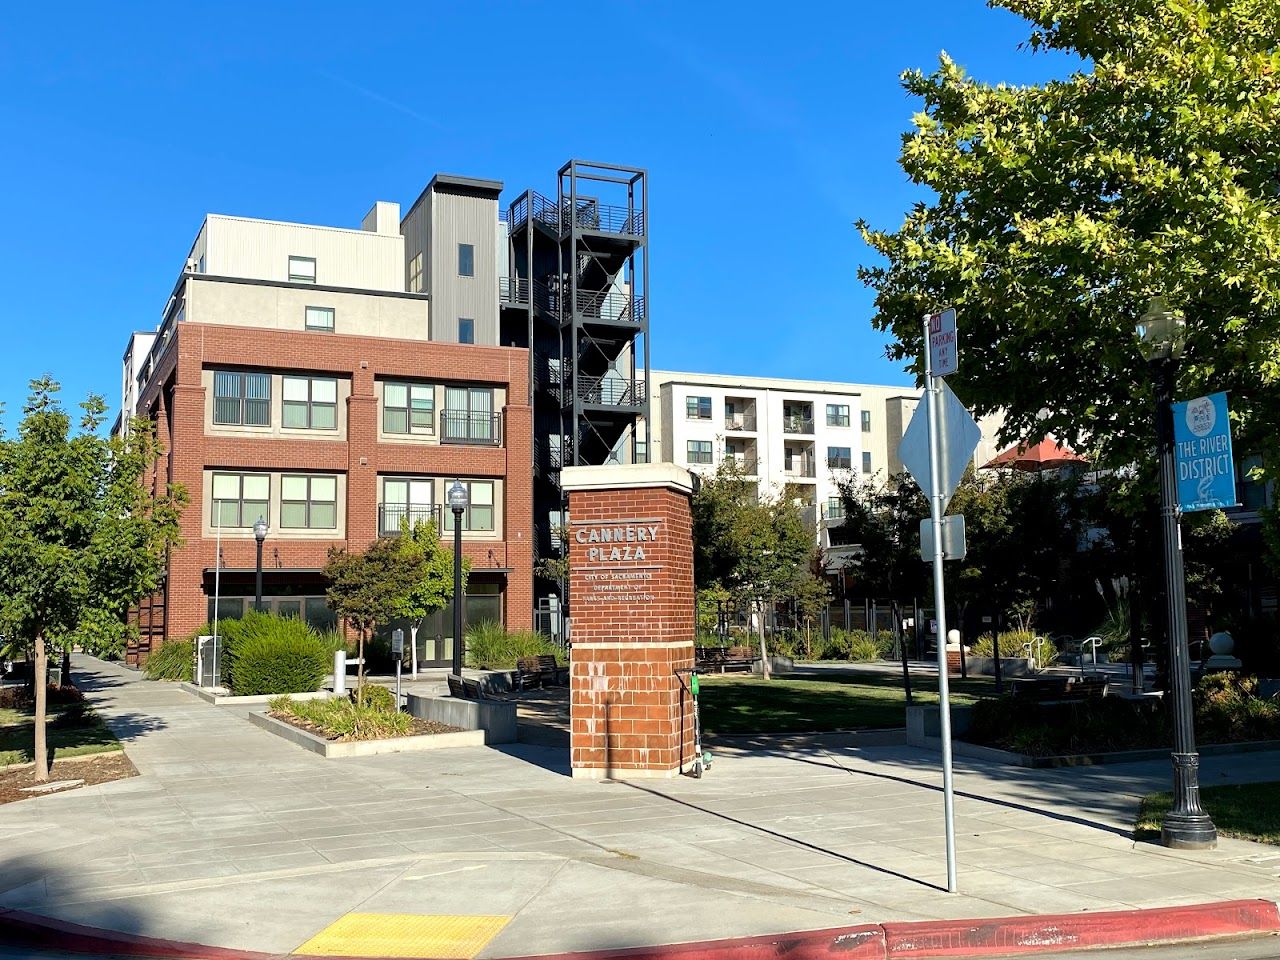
(933, 393)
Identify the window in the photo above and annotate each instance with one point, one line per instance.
(834, 509)
(466, 330)
(697, 408)
(479, 515)
(310, 403)
(866, 462)
(242, 398)
(839, 458)
(466, 260)
(404, 498)
(302, 269)
(415, 274)
(866, 421)
(309, 502)
(468, 415)
(837, 415)
(320, 318)
(699, 451)
(408, 408)
(239, 499)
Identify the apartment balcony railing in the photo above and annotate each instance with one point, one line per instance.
(742, 422)
(460, 426)
(809, 516)
(391, 515)
(589, 214)
(517, 290)
(833, 511)
(610, 306)
(543, 211)
(746, 465)
(798, 467)
(797, 423)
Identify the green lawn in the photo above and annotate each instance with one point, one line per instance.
(17, 733)
(1248, 811)
(743, 704)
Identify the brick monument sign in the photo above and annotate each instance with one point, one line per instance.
(631, 601)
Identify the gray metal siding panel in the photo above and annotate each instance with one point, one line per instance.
(458, 219)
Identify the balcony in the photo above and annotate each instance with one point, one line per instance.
(799, 467)
(609, 306)
(590, 214)
(797, 423)
(740, 422)
(390, 516)
(745, 464)
(515, 292)
(611, 391)
(462, 426)
(834, 511)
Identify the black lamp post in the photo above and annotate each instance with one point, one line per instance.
(1162, 335)
(259, 534)
(458, 502)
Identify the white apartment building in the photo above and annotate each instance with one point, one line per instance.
(794, 438)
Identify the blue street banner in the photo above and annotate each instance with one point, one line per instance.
(1202, 453)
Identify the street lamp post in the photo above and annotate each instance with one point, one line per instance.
(259, 534)
(458, 502)
(1162, 337)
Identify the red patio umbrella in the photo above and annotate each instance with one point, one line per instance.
(1045, 455)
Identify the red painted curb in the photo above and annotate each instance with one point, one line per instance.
(32, 929)
(1076, 931)
(997, 936)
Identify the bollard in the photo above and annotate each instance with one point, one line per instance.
(339, 672)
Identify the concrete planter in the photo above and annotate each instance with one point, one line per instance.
(495, 720)
(1009, 666)
(777, 664)
(332, 749)
(221, 699)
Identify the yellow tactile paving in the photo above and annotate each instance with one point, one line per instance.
(404, 935)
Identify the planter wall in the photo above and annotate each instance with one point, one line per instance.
(332, 749)
(495, 720)
(209, 695)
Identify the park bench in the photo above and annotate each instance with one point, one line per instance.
(464, 688)
(1060, 689)
(722, 659)
(541, 670)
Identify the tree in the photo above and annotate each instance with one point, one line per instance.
(1058, 209)
(883, 520)
(420, 546)
(369, 589)
(757, 550)
(82, 537)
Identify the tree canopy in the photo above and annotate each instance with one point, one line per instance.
(1056, 211)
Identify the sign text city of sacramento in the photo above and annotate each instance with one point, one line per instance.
(616, 553)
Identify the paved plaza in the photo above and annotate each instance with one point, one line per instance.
(233, 837)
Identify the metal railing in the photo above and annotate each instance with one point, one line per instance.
(611, 391)
(832, 511)
(740, 421)
(800, 467)
(390, 516)
(544, 212)
(796, 423)
(747, 465)
(513, 290)
(606, 218)
(462, 426)
(610, 306)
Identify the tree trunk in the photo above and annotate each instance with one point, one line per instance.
(765, 668)
(65, 679)
(413, 647)
(40, 672)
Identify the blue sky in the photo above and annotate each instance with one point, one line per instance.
(766, 135)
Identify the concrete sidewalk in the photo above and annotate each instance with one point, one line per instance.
(235, 838)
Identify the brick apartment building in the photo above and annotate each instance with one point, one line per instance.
(312, 376)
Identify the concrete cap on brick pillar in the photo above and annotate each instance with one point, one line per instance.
(627, 476)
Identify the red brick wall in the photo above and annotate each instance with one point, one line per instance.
(630, 712)
(177, 385)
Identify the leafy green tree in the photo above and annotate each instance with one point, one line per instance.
(83, 536)
(1056, 210)
(757, 550)
(369, 589)
(883, 520)
(420, 546)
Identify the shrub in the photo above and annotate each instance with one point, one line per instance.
(172, 660)
(268, 654)
(1228, 708)
(342, 719)
(1013, 646)
(864, 649)
(22, 698)
(376, 697)
(490, 646)
(335, 640)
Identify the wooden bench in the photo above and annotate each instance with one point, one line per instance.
(722, 659)
(1060, 689)
(541, 670)
(465, 689)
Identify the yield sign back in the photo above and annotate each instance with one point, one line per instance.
(959, 436)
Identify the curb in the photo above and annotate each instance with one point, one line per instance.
(987, 937)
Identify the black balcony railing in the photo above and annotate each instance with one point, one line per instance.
(743, 422)
(800, 467)
(513, 290)
(591, 215)
(797, 423)
(611, 391)
(391, 515)
(462, 426)
(610, 306)
(745, 464)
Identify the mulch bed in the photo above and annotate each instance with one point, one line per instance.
(420, 728)
(93, 769)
